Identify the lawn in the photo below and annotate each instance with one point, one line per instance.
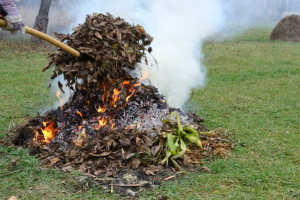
(252, 90)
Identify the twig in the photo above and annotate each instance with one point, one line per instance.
(103, 179)
(91, 175)
(219, 139)
(130, 185)
(181, 172)
(169, 177)
(10, 173)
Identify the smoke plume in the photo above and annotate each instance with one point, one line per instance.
(178, 28)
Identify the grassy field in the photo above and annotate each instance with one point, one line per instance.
(252, 90)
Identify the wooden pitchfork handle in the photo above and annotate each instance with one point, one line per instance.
(47, 38)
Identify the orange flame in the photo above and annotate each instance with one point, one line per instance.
(35, 136)
(127, 98)
(49, 131)
(101, 110)
(79, 113)
(61, 101)
(102, 122)
(145, 75)
(130, 127)
(115, 97)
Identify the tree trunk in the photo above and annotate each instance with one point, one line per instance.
(41, 21)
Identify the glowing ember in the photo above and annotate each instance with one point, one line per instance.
(138, 126)
(49, 131)
(134, 126)
(130, 127)
(61, 101)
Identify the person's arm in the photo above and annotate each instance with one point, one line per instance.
(11, 14)
(3, 12)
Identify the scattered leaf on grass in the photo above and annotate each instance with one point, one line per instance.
(205, 168)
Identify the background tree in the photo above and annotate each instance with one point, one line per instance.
(41, 21)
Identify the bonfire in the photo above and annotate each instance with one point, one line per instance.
(112, 122)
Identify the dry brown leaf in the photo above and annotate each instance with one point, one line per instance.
(97, 34)
(100, 155)
(67, 168)
(155, 149)
(205, 168)
(57, 36)
(111, 141)
(79, 160)
(138, 141)
(74, 152)
(125, 142)
(148, 172)
(148, 140)
(186, 159)
(129, 155)
(135, 163)
(99, 171)
(54, 160)
(60, 85)
(155, 168)
(108, 174)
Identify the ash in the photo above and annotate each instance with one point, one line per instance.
(148, 118)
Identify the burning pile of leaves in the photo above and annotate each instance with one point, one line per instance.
(112, 122)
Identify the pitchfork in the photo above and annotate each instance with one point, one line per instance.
(47, 38)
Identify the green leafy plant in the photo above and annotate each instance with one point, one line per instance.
(177, 141)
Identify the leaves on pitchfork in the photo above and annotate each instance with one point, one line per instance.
(60, 85)
(108, 45)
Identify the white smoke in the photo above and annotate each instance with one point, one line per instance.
(178, 28)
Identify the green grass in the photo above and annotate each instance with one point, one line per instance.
(23, 86)
(252, 90)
